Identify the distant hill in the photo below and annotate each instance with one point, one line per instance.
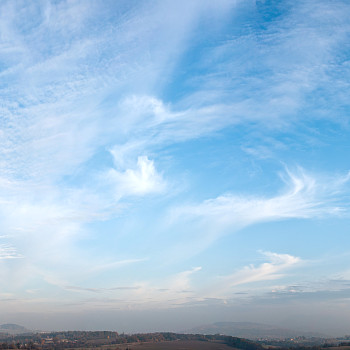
(251, 331)
(12, 328)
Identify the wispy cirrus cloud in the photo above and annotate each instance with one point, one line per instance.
(116, 264)
(278, 263)
(99, 290)
(304, 196)
(9, 252)
(245, 281)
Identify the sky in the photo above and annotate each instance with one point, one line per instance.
(166, 164)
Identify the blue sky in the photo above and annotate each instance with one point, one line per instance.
(162, 158)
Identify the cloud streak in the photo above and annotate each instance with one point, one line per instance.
(9, 252)
(265, 272)
(303, 197)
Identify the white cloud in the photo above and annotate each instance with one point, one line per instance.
(115, 264)
(9, 252)
(181, 281)
(265, 272)
(152, 124)
(251, 280)
(142, 180)
(303, 197)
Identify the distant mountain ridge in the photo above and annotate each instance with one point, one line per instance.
(12, 328)
(253, 331)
